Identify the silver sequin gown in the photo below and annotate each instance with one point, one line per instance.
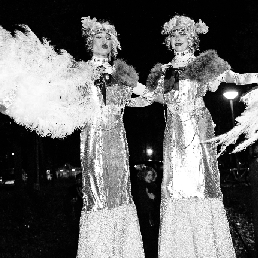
(109, 224)
(193, 218)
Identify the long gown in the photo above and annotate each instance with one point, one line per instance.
(109, 225)
(193, 219)
(194, 222)
(52, 94)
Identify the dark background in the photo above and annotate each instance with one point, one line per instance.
(233, 32)
(34, 225)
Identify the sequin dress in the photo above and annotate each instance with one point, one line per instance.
(193, 219)
(109, 225)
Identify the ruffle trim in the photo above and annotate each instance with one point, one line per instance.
(196, 227)
(110, 233)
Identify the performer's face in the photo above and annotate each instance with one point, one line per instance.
(149, 177)
(179, 40)
(102, 44)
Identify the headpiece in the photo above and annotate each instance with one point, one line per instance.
(91, 27)
(192, 30)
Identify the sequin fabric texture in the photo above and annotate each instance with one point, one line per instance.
(193, 219)
(109, 225)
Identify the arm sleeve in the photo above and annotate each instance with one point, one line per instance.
(232, 77)
(242, 79)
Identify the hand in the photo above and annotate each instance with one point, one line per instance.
(230, 77)
(159, 98)
(249, 78)
(139, 89)
(151, 196)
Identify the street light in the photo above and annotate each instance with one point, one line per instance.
(149, 152)
(231, 95)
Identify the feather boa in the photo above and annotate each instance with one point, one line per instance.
(247, 124)
(204, 69)
(39, 87)
(154, 76)
(124, 74)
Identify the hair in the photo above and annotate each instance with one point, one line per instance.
(91, 27)
(144, 171)
(192, 29)
(193, 42)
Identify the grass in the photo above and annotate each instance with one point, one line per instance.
(35, 224)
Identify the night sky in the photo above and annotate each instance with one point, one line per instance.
(233, 32)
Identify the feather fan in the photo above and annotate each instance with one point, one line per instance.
(40, 87)
(247, 125)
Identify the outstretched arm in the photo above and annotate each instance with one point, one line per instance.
(146, 97)
(155, 82)
(241, 79)
(232, 77)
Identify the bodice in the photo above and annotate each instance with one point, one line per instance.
(186, 99)
(118, 95)
(116, 99)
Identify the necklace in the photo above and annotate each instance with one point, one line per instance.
(99, 60)
(183, 53)
(102, 62)
(182, 59)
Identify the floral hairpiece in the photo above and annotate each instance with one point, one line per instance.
(91, 27)
(191, 28)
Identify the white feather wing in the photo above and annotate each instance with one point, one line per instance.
(44, 90)
(247, 125)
